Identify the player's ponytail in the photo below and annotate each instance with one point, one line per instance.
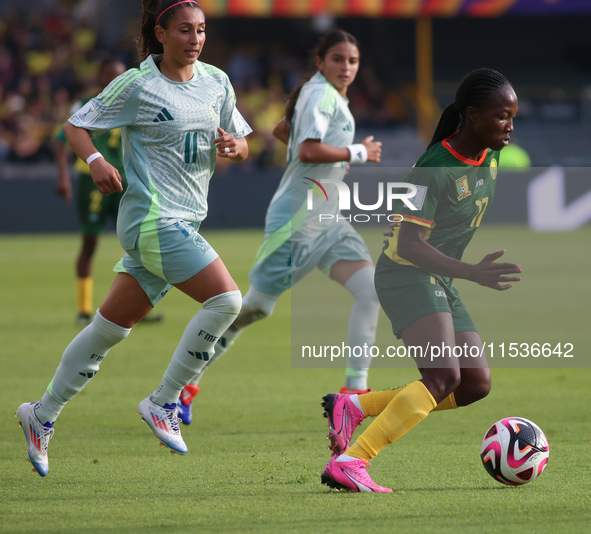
(161, 11)
(332, 38)
(474, 91)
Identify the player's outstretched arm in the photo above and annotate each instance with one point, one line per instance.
(313, 151)
(105, 176)
(281, 131)
(233, 148)
(412, 247)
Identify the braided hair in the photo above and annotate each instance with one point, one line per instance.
(332, 38)
(474, 91)
(147, 42)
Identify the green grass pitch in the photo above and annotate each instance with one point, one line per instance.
(257, 444)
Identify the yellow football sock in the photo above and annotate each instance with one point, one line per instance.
(84, 294)
(374, 402)
(449, 403)
(406, 410)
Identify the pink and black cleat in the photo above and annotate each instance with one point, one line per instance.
(343, 418)
(351, 476)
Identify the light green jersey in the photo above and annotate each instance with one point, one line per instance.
(320, 113)
(168, 130)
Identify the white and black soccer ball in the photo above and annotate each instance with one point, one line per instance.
(514, 451)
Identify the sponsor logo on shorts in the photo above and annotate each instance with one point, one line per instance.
(199, 242)
(439, 293)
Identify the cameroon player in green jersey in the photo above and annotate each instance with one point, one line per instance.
(93, 207)
(455, 181)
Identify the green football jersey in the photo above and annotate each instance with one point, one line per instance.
(453, 195)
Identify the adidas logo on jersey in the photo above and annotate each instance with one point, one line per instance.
(164, 116)
(348, 128)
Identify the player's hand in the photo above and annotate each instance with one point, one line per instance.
(374, 149)
(64, 188)
(106, 177)
(226, 141)
(490, 274)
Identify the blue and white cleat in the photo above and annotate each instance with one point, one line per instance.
(164, 422)
(37, 435)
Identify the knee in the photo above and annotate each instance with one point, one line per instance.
(228, 303)
(475, 390)
(251, 314)
(361, 285)
(255, 306)
(442, 383)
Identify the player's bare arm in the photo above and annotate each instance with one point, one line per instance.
(412, 247)
(106, 177)
(281, 131)
(314, 151)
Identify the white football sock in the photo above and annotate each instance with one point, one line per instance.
(80, 362)
(346, 458)
(196, 347)
(363, 323)
(255, 306)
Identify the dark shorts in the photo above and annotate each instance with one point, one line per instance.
(93, 207)
(407, 296)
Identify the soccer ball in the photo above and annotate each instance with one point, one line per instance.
(514, 451)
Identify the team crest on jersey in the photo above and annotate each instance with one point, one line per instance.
(88, 113)
(494, 167)
(462, 187)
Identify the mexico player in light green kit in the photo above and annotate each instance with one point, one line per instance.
(455, 181)
(319, 131)
(177, 116)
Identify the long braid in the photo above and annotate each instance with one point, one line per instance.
(474, 91)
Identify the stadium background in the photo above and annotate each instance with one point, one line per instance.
(50, 50)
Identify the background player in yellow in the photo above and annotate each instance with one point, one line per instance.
(455, 181)
(93, 207)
